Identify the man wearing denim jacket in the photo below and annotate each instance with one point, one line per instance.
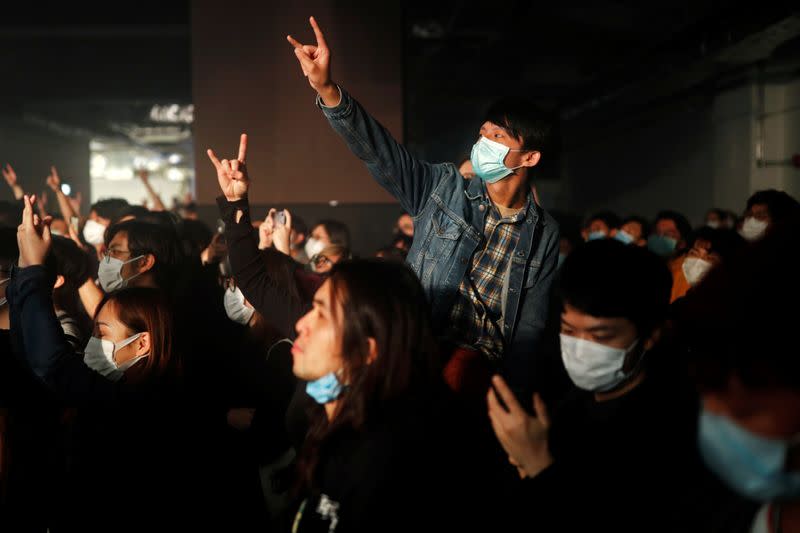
(485, 252)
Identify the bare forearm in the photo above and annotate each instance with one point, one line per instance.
(91, 296)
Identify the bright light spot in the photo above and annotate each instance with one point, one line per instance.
(153, 165)
(174, 174)
(117, 173)
(66, 189)
(175, 159)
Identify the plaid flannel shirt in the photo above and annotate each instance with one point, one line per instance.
(479, 302)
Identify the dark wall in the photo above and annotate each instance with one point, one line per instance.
(247, 79)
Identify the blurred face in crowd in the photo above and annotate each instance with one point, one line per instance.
(324, 261)
(320, 234)
(317, 350)
(713, 220)
(108, 327)
(760, 212)
(634, 229)
(702, 250)
(405, 225)
(595, 227)
(97, 218)
(59, 227)
(770, 412)
(667, 228)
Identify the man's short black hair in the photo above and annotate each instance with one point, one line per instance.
(523, 120)
(136, 211)
(110, 208)
(608, 279)
(781, 206)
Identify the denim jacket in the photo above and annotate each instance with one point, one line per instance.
(449, 214)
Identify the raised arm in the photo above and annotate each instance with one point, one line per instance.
(54, 182)
(409, 180)
(266, 278)
(158, 204)
(11, 178)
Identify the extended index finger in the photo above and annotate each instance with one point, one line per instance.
(213, 157)
(242, 147)
(318, 32)
(294, 42)
(27, 212)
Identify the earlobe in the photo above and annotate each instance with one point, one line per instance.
(149, 261)
(532, 159)
(59, 282)
(143, 344)
(372, 345)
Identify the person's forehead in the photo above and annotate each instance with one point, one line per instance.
(581, 319)
(760, 208)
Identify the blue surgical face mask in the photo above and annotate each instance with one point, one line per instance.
(325, 389)
(596, 236)
(488, 160)
(752, 465)
(624, 237)
(661, 245)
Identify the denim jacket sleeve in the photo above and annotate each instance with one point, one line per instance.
(409, 180)
(38, 336)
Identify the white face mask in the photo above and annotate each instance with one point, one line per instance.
(695, 269)
(593, 366)
(235, 307)
(94, 232)
(109, 272)
(99, 356)
(313, 247)
(753, 229)
(713, 224)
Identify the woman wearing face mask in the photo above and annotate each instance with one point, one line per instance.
(708, 249)
(371, 460)
(609, 454)
(129, 435)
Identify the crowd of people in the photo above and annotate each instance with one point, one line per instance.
(483, 371)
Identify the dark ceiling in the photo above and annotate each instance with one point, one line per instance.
(573, 56)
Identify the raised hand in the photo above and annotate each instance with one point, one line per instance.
(265, 231)
(10, 175)
(33, 235)
(53, 180)
(315, 61)
(232, 175)
(523, 437)
(281, 235)
(11, 179)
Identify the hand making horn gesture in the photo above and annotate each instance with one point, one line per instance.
(232, 174)
(316, 64)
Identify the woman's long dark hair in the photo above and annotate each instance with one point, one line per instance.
(381, 300)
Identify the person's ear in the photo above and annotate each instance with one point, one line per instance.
(142, 344)
(653, 339)
(372, 350)
(147, 263)
(59, 282)
(531, 159)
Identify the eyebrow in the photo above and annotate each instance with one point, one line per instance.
(103, 324)
(601, 327)
(319, 302)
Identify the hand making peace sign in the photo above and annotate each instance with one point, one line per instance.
(232, 175)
